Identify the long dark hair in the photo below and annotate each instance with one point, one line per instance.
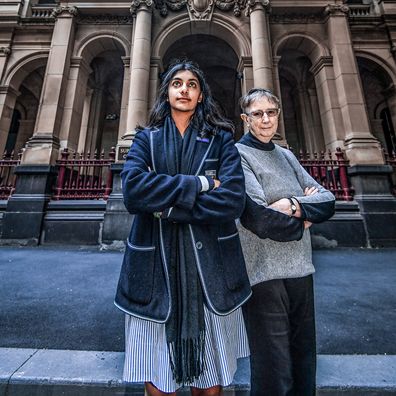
(207, 117)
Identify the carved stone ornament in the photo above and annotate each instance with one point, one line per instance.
(5, 51)
(137, 3)
(63, 9)
(203, 9)
(252, 4)
(200, 9)
(105, 19)
(337, 9)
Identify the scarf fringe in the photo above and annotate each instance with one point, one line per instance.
(187, 359)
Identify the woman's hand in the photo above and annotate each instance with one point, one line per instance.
(310, 191)
(217, 183)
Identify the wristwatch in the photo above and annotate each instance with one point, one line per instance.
(293, 207)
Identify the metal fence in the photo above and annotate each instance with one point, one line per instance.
(83, 177)
(8, 164)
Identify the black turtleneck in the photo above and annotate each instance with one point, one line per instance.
(251, 141)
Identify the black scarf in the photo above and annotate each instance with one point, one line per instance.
(185, 329)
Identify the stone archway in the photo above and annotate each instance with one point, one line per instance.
(297, 55)
(380, 97)
(219, 63)
(23, 84)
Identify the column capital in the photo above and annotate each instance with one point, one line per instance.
(5, 51)
(140, 5)
(337, 9)
(64, 11)
(252, 5)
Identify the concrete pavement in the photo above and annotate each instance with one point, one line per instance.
(61, 299)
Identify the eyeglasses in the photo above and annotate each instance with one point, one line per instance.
(259, 114)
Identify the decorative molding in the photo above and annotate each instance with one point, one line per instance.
(71, 10)
(5, 51)
(136, 4)
(105, 19)
(296, 18)
(337, 9)
(321, 62)
(203, 9)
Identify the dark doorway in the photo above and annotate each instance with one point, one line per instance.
(219, 62)
(13, 133)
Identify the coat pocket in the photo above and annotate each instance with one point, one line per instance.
(232, 261)
(139, 263)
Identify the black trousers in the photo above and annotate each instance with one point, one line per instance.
(280, 323)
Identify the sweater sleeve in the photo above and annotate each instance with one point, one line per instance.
(315, 208)
(262, 220)
(146, 191)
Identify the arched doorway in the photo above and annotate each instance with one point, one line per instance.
(380, 97)
(219, 62)
(299, 95)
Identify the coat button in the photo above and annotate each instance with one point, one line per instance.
(198, 245)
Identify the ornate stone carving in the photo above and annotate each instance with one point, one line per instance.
(73, 11)
(4, 51)
(297, 18)
(337, 9)
(203, 9)
(136, 4)
(105, 19)
(200, 9)
(252, 4)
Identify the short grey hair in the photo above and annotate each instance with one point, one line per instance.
(258, 93)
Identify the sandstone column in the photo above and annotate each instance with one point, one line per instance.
(360, 145)
(261, 43)
(43, 147)
(139, 67)
(23, 218)
(281, 135)
(369, 175)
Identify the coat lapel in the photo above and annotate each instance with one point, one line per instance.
(157, 148)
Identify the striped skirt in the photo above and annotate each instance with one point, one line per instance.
(147, 357)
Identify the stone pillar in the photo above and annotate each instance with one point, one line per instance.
(82, 139)
(329, 107)
(361, 147)
(140, 66)
(124, 109)
(155, 69)
(74, 103)
(23, 218)
(43, 147)
(117, 223)
(8, 97)
(261, 43)
(277, 91)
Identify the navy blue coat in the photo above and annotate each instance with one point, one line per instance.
(143, 288)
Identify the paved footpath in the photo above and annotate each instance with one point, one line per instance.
(56, 307)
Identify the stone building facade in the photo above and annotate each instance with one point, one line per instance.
(81, 75)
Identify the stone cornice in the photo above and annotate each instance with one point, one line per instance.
(140, 4)
(105, 19)
(68, 11)
(289, 18)
(321, 62)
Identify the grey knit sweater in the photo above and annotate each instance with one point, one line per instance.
(276, 245)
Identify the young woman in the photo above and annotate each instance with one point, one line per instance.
(282, 202)
(183, 277)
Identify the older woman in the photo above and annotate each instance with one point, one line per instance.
(282, 203)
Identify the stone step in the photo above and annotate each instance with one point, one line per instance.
(43, 372)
